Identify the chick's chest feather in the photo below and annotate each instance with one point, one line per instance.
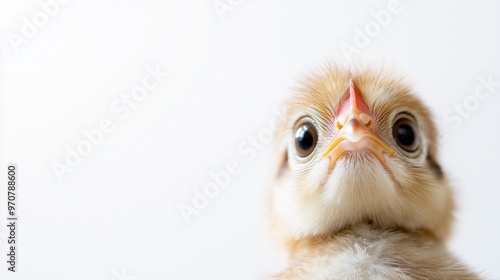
(364, 252)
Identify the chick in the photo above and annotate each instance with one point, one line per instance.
(358, 192)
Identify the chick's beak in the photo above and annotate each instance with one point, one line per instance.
(355, 122)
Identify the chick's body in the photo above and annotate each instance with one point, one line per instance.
(363, 252)
(359, 193)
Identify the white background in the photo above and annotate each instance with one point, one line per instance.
(116, 215)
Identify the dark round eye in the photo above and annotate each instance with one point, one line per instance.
(405, 135)
(306, 137)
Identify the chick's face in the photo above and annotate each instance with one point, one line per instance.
(358, 147)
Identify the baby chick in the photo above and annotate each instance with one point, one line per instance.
(359, 193)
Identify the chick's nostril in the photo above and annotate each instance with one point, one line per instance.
(341, 120)
(365, 119)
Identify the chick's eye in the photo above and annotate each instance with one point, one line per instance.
(306, 137)
(405, 135)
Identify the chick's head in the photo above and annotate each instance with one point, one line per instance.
(357, 146)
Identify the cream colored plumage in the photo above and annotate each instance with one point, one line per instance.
(354, 197)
